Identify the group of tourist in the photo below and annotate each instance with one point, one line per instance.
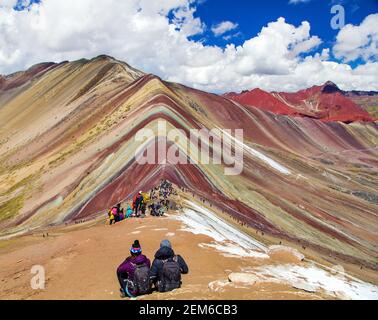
(117, 214)
(157, 201)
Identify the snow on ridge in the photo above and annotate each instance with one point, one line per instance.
(274, 164)
(338, 285)
(232, 242)
(269, 161)
(228, 239)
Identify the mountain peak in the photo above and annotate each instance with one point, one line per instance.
(258, 90)
(103, 57)
(330, 87)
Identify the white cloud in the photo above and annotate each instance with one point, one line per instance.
(232, 36)
(354, 42)
(7, 3)
(298, 1)
(281, 57)
(185, 21)
(223, 27)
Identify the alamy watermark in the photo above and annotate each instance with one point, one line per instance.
(338, 19)
(38, 279)
(205, 147)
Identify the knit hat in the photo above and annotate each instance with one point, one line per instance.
(165, 243)
(136, 248)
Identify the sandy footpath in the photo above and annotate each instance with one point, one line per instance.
(80, 263)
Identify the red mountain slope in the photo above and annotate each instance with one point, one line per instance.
(326, 102)
(263, 100)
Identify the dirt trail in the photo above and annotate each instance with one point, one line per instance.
(80, 263)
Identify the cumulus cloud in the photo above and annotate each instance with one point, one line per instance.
(354, 42)
(228, 37)
(298, 1)
(8, 3)
(223, 27)
(155, 36)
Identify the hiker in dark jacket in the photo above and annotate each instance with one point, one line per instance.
(138, 203)
(167, 268)
(133, 273)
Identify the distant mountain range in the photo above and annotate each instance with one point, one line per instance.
(326, 102)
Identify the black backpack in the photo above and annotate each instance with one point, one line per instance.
(141, 279)
(171, 275)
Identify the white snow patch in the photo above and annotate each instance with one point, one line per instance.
(339, 285)
(219, 285)
(294, 253)
(233, 251)
(228, 239)
(269, 161)
(232, 242)
(275, 165)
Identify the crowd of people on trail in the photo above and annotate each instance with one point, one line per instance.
(164, 190)
(137, 276)
(157, 201)
(160, 198)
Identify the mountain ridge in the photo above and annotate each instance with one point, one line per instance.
(67, 152)
(314, 102)
(325, 102)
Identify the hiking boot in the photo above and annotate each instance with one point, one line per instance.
(122, 293)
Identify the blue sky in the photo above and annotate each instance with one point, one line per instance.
(252, 15)
(212, 45)
(22, 4)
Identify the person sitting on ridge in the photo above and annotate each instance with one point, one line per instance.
(114, 215)
(111, 216)
(134, 273)
(153, 209)
(121, 212)
(129, 212)
(116, 212)
(167, 268)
